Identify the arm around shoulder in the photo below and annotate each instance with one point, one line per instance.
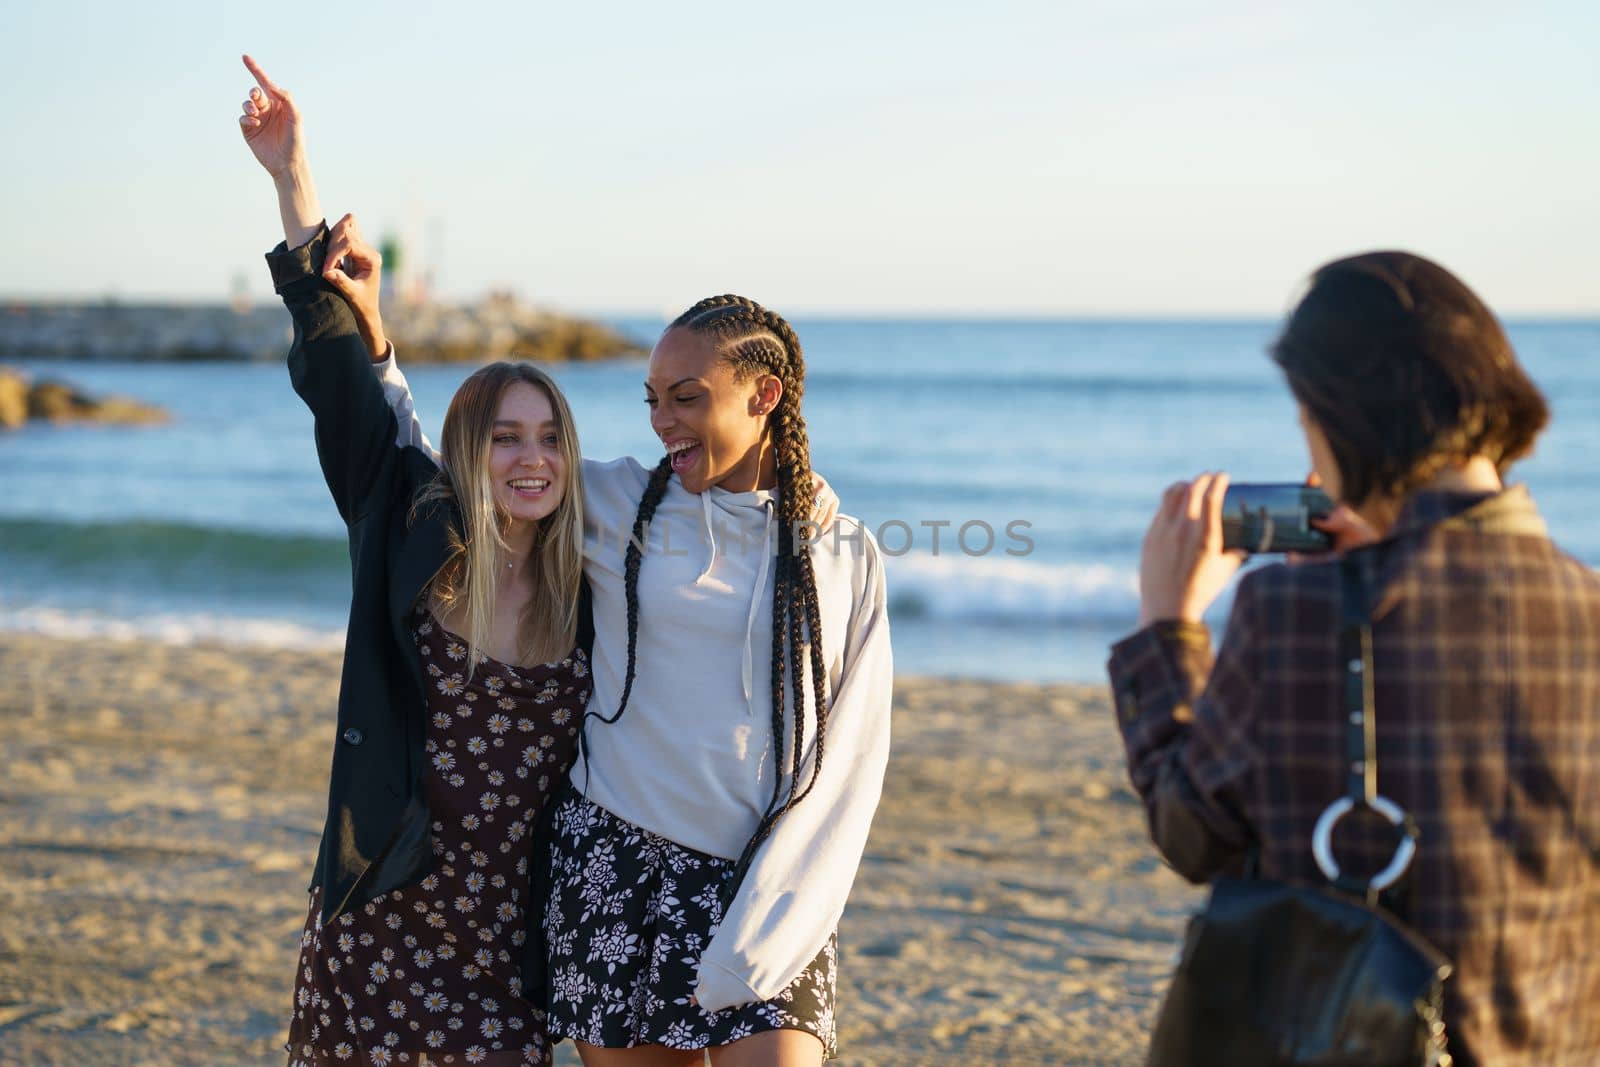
(795, 891)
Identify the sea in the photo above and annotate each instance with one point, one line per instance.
(1009, 467)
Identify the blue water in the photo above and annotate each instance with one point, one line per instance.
(218, 526)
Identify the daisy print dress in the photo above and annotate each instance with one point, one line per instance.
(430, 972)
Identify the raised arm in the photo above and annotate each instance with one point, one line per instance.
(275, 133)
(321, 275)
(1188, 721)
(273, 129)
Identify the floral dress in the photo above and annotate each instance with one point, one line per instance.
(628, 917)
(433, 969)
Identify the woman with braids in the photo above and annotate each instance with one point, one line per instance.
(465, 676)
(740, 723)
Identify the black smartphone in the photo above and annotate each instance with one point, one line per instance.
(1274, 517)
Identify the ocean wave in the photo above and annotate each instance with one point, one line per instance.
(169, 628)
(173, 558)
(1004, 590)
(180, 582)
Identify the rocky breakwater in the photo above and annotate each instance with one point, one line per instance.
(501, 327)
(22, 399)
(497, 327)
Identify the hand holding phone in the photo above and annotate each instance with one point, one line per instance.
(1182, 564)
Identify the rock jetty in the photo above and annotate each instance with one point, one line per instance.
(497, 327)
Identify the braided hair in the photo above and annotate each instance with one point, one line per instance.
(755, 341)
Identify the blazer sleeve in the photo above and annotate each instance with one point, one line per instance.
(795, 891)
(331, 371)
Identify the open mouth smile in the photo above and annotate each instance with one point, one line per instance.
(683, 452)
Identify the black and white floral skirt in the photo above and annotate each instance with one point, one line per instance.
(629, 914)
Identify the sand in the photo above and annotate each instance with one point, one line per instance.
(159, 814)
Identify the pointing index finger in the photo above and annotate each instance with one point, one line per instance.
(261, 78)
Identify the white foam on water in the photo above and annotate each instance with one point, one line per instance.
(168, 628)
(1003, 589)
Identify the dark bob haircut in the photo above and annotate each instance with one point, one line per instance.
(1406, 372)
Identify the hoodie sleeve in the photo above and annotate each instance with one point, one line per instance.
(795, 891)
(397, 391)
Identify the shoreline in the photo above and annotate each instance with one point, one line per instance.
(165, 802)
(1071, 654)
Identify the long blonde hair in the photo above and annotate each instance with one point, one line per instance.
(549, 624)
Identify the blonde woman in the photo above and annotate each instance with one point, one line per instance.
(465, 677)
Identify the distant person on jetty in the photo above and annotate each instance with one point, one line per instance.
(465, 677)
(1486, 662)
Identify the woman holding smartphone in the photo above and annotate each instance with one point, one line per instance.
(1484, 665)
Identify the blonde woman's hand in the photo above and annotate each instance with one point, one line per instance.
(272, 128)
(355, 268)
(1183, 566)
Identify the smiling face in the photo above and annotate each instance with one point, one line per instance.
(712, 423)
(526, 468)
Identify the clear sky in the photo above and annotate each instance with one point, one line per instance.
(994, 158)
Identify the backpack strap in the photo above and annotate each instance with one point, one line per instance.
(1355, 655)
(1360, 748)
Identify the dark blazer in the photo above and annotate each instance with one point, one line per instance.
(376, 835)
(1486, 662)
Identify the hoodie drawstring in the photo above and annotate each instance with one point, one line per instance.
(711, 536)
(748, 666)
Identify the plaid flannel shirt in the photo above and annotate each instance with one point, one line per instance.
(1486, 648)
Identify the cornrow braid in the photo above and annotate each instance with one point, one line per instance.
(654, 490)
(758, 341)
(780, 613)
(791, 428)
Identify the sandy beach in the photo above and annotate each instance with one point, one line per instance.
(160, 809)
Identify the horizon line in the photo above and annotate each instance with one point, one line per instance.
(889, 314)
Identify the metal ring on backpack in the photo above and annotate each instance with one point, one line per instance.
(1322, 840)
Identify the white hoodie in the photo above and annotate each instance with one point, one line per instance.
(691, 757)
